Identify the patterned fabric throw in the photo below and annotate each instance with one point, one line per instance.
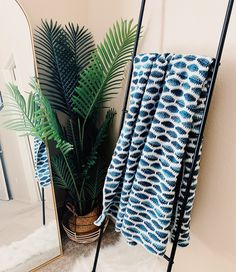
(42, 172)
(168, 95)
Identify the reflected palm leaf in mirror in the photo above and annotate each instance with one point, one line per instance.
(34, 116)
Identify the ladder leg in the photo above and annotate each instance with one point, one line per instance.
(98, 246)
(139, 27)
(43, 207)
(199, 140)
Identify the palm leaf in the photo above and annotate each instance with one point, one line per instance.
(100, 138)
(71, 131)
(54, 60)
(61, 54)
(100, 81)
(34, 117)
(61, 174)
(81, 44)
(92, 160)
(94, 186)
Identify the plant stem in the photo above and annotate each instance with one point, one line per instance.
(74, 182)
(74, 140)
(92, 205)
(82, 187)
(80, 135)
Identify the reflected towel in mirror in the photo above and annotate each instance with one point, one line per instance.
(42, 171)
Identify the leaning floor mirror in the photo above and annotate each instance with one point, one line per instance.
(29, 232)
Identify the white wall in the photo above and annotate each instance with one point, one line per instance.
(63, 11)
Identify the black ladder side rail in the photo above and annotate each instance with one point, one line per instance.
(200, 137)
(43, 206)
(202, 128)
(139, 27)
(124, 110)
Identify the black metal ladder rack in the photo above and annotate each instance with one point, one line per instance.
(171, 258)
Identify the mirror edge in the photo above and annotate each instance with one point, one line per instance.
(52, 184)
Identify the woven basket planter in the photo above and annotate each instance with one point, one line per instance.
(81, 229)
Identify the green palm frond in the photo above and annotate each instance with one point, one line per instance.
(71, 132)
(61, 54)
(93, 187)
(100, 138)
(81, 43)
(55, 62)
(61, 174)
(21, 116)
(34, 116)
(100, 81)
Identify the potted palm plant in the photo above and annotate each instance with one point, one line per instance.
(76, 80)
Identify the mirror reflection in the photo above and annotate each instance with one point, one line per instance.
(29, 235)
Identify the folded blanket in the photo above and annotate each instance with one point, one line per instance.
(168, 94)
(41, 165)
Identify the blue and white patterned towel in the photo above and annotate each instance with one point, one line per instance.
(168, 95)
(41, 165)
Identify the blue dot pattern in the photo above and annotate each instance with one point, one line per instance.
(167, 101)
(42, 172)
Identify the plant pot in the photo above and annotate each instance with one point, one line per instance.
(81, 229)
(84, 224)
